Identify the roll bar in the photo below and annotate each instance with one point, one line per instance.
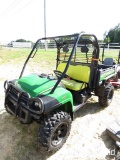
(58, 47)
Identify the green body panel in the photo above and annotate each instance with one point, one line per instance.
(36, 86)
(61, 94)
(106, 74)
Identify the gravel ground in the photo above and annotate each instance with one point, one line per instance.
(87, 140)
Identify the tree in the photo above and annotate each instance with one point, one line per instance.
(104, 35)
(113, 34)
(20, 40)
(107, 39)
(117, 36)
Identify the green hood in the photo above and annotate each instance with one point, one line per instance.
(35, 85)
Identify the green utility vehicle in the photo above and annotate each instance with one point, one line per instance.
(53, 99)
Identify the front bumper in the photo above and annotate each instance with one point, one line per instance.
(16, 103)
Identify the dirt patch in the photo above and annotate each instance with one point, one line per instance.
(87, 140)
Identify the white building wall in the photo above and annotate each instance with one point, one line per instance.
(22, 44)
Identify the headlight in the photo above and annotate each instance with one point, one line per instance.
(35, 104)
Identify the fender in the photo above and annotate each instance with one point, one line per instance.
(60, 98)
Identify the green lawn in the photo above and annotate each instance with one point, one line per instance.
(110, 53)
(20, 55)
(14, 55)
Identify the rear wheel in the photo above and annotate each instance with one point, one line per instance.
(107, 97)
(55, 130)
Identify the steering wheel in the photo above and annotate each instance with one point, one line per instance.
(59, 73)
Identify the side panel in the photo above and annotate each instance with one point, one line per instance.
(106, 73)
(60, 97)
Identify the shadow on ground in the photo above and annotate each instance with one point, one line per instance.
(89, 108)
(110, 144)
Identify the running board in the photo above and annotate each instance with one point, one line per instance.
(78, 106)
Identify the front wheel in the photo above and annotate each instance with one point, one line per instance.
(55, 130)
(107, 97)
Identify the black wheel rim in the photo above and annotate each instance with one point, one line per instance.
(59, 134)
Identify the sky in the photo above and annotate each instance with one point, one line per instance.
(25, 18)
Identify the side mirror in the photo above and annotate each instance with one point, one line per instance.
(65, 48)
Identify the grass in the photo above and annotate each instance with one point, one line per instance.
(42, 57)
(110, 53)
(17, 55)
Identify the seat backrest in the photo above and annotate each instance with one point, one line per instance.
(77, 72)
(84, 49)
(108, 61)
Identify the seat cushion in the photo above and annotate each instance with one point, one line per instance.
(77, 72)
(73, 85)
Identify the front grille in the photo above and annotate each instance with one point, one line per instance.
(16, 103)
(24, 98)
(14, 93)
(18, 96)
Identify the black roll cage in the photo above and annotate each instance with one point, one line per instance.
(94, 62)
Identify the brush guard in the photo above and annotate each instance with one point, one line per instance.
(15, 101)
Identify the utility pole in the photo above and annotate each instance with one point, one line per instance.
(45, 23)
